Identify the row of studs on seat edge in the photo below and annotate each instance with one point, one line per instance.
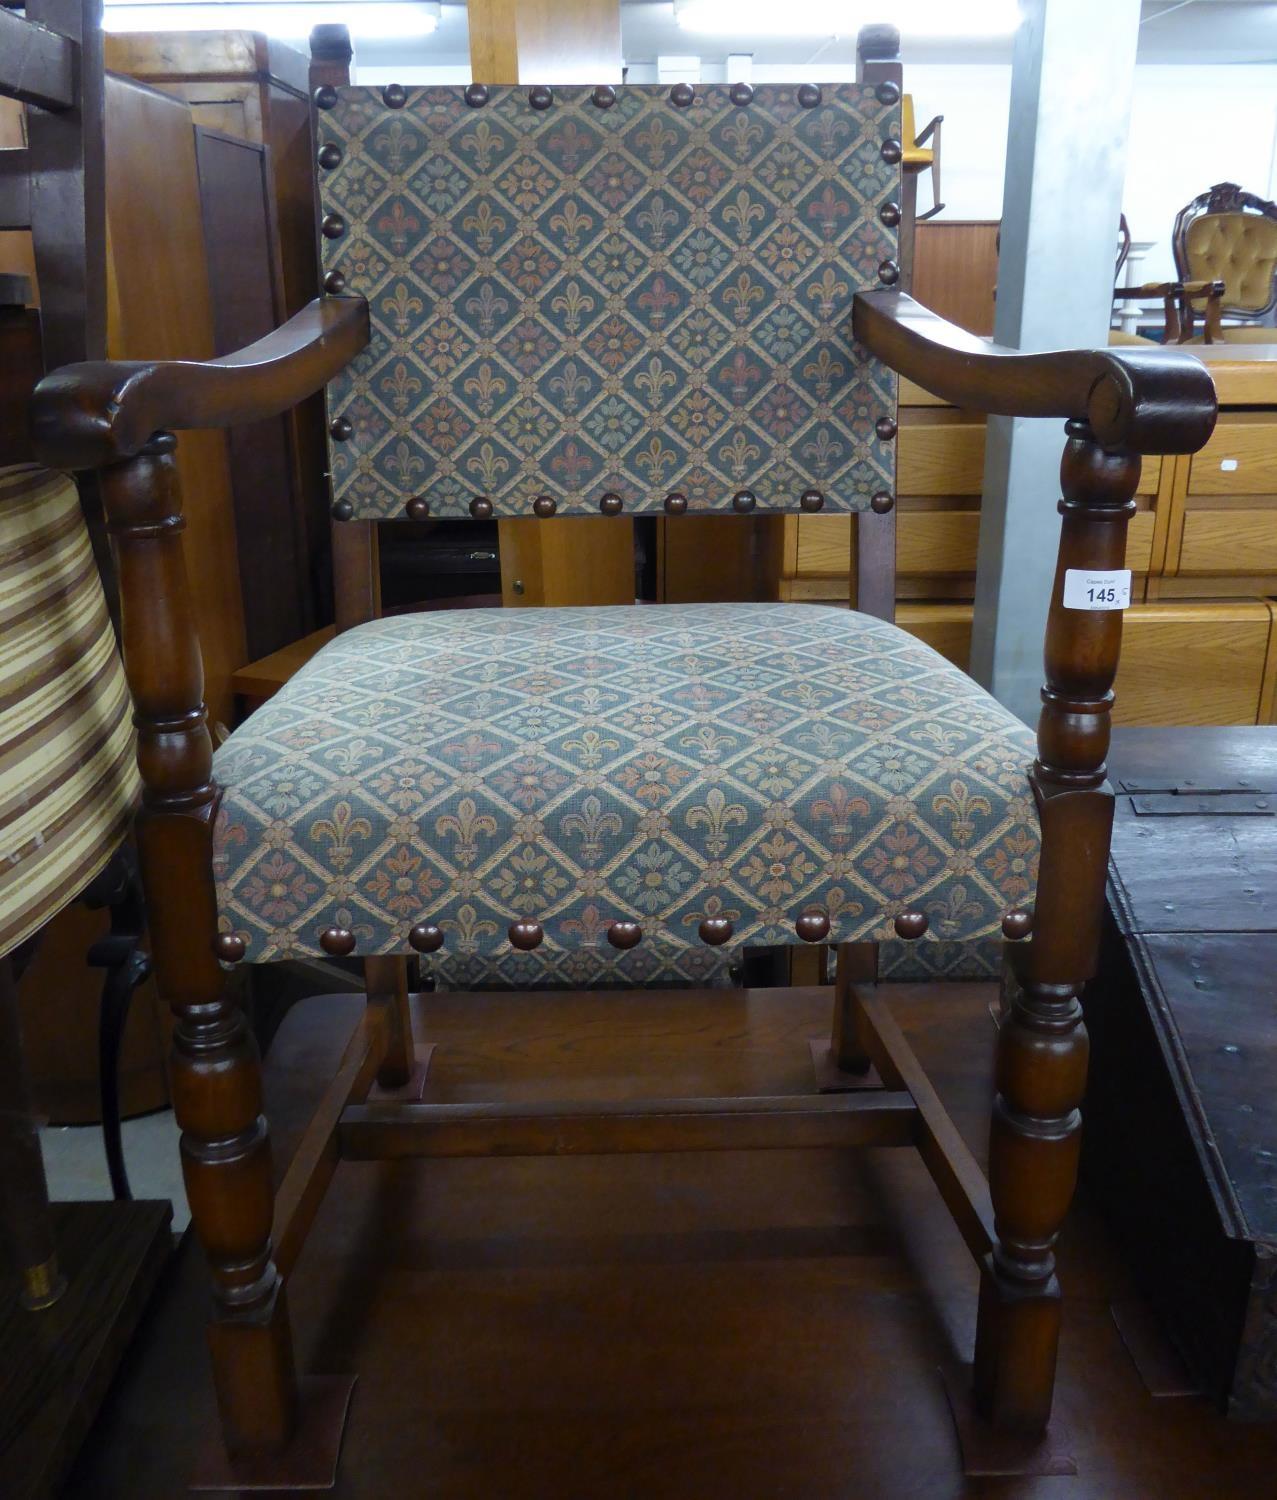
(812, 927)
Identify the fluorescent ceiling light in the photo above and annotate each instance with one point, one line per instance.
(290, 20)
(844, 17)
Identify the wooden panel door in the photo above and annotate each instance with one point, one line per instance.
(158, 307)
(245, 281)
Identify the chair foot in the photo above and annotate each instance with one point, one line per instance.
(989, 1451)
(830, 1078)
(412, 1091)
(309, 1462)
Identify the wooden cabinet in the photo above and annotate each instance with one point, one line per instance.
(1214, 660)
(1198, 645)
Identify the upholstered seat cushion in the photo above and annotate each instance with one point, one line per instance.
(662, 764)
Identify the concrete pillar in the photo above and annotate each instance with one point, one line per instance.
(1071, 86)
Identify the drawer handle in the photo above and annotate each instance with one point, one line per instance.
(1228, 465)
(481, 557)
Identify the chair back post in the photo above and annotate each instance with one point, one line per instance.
(873, 531)
(66, 161)
(214, 1067)
(356, 560)
(1035, 1135)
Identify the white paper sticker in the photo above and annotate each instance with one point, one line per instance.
(1086, 590)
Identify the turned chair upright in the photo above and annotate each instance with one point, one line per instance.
(195, 825)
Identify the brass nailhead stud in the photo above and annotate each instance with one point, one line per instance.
(334, 226)
(329, 155)
(682, 94)
(715, 931)
(394, 96)
(229, 947)
(882, 503)
(811, 500)
(740, 94)
(337, 942)
(889, 214)
(891, 150)
(675, 504)
(525, 936)
(418, 508)
(888, 273)
(809, 95)
(340, 429)
(159, 442)
(343, 510)
(481, 508)
(540, 97)
(885, 427)
(334, 283)
(911, 924)
(624, 935)
(476, 95)
(812, 926)
(544, 506)
(1017, 924)
(611, 504)
(604, 96)
(425, 937)
(325, 96)
(744, 500)
(887, 93)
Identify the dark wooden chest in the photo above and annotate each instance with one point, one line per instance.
(1180, 1144)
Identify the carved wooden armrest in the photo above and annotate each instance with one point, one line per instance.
(88, 415)
(1153, 400)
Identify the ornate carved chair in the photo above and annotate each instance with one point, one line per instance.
(1227, 235)
(582, 302)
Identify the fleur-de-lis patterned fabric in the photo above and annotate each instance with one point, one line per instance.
(641, 299)
(660, 764)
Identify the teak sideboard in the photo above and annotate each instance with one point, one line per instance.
(1199, 644)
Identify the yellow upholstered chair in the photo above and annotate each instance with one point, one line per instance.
(1230, 236)
(919, 157)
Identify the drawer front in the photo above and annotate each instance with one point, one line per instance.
(940, 458)
(1229, 540)
(1239, 459)
(1180, 664)
(929, 543)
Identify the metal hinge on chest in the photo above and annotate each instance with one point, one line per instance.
(1236, 799)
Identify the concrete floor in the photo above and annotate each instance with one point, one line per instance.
(75, 1163)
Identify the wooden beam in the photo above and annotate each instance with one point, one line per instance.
(15, 187)
(954, 1170)
(389, 1132)
(35, 64)
(315, 1160)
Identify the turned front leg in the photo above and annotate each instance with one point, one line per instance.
(1042, 1048)
(215, 1072)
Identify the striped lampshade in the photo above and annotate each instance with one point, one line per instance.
(68, 779)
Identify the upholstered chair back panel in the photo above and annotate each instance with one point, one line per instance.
(1239, 249)
(609, 299)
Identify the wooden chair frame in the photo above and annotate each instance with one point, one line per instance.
(118, 418)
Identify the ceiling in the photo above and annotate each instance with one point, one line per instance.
(1200, 31)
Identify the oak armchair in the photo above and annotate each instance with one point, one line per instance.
(623, 776)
